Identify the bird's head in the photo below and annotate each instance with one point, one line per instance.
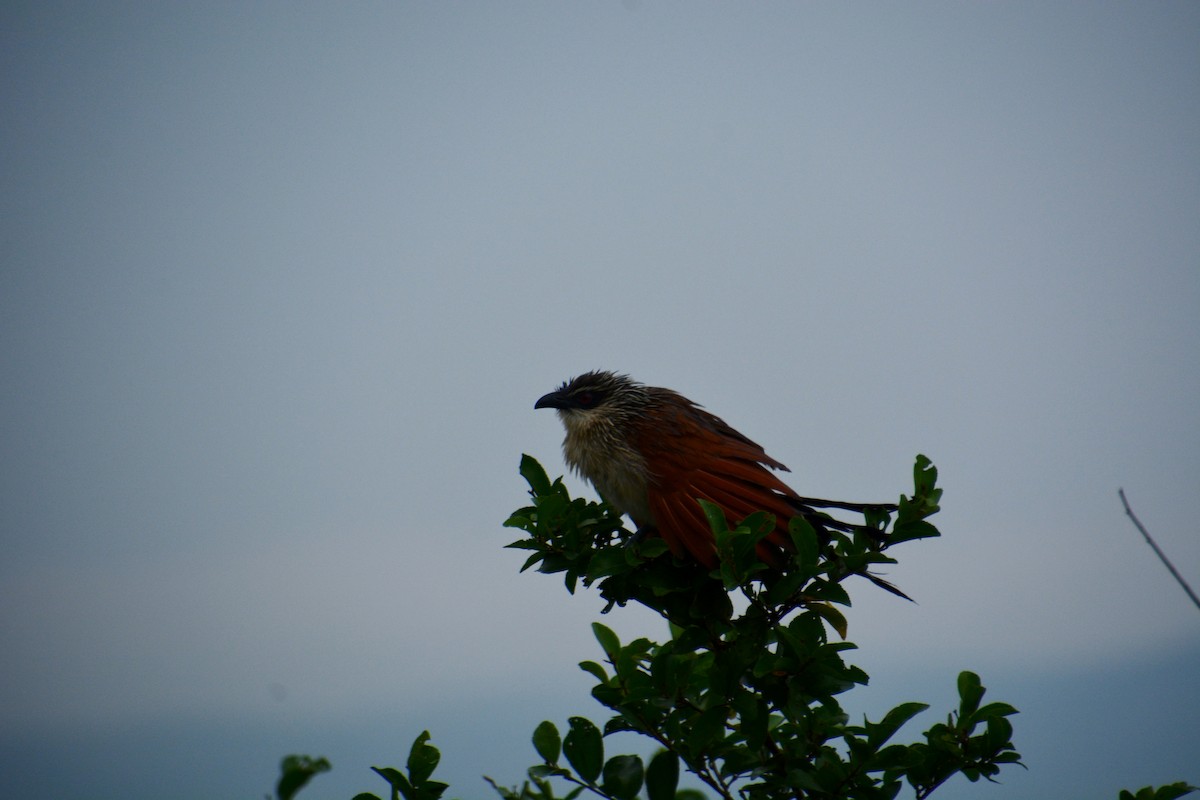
(594, 396)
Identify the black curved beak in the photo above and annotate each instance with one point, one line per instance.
(552, 400)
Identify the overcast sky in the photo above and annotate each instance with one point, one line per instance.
(280, 283)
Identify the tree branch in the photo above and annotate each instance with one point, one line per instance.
(1162, 556)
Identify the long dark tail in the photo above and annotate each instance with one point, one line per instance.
(820, 520)
(860, 508)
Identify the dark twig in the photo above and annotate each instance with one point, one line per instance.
(1162, 556)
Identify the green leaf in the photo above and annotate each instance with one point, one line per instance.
(651, 547)
(519, 519)
(995, 710)
(910, 530)
(715, 516)
(423, 758)
(999, 733)
(662, 776)
(808, 545)
(432, 790)
(547, 742)
(806, 780)
(607, 639)
(609, 561)
(533, 559)
(831, 615)
(621, 724)
(623, 776)
(398, 782)
(892, 721)
(595, 670)
(295, 772)
(534, 475)
(970, 692)
(924, 475)
(547, 771)
(584, 749)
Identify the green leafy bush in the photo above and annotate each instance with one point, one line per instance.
(747, 702)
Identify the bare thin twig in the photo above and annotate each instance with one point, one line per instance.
(1162, 556)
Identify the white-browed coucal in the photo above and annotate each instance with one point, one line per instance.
(652, 453)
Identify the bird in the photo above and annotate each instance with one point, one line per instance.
(652, 454)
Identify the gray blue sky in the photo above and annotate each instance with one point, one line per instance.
(280, 284)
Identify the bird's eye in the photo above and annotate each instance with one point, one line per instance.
(586, 399)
